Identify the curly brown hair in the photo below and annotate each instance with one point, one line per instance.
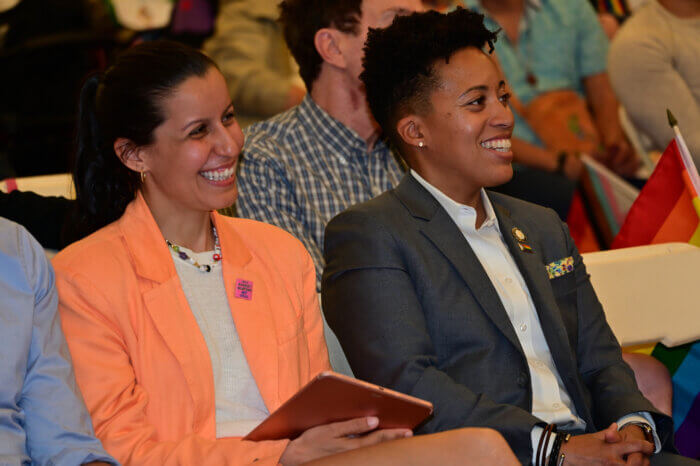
(399, 72)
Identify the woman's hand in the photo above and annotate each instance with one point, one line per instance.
(606, 447)
(337, 437)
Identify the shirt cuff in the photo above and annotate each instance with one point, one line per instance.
(535, 435)
(643, 417)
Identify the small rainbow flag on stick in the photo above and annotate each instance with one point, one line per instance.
(668, 207)
(668, 210)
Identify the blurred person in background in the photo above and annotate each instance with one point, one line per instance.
(302, 167)
(654, 65)
(248, 46)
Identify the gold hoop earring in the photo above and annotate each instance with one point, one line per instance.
(143, 177)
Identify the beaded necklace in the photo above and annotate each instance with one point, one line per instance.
(185, 257)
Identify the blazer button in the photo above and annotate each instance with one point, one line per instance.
(522, 380)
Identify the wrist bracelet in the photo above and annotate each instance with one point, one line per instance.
(560, 440)
(539, 457)
(554, 455)
(552, 429)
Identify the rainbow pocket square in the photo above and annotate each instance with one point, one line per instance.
(561, 267)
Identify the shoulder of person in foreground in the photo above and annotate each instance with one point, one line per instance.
(24, 264)
(55, 428)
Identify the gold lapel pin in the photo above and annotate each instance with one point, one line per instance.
(521, 238)
(518, 234)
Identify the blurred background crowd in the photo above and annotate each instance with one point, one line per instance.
(47, 46)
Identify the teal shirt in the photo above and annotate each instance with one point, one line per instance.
(561, 42)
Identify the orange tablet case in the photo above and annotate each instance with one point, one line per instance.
(332, 397)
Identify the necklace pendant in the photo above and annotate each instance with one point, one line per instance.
(531, 79)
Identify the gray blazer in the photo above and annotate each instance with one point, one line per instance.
(415, 311)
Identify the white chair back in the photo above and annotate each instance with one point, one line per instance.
(649, 293)
(47, 185)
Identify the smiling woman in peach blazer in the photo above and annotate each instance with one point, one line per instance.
(128, 320)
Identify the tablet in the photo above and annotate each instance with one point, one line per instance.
(332, 397)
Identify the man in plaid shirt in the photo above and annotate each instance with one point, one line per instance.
(304, 166)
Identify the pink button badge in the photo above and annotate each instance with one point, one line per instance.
(244, 289)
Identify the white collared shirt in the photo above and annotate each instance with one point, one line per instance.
(550, 400)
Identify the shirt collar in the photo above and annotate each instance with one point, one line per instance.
(456, 210)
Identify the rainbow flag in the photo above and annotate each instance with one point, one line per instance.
(668, 209)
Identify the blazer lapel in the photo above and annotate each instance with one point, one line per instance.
(252, 311)
(532, 268)
(166, 303)
(439, 228)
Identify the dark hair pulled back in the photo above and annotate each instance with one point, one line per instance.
(124, 102)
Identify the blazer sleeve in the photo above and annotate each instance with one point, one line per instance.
(313, 323)
(609, 379)
(370, 301)
(117, 402)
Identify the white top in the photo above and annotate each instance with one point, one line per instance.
(239, 406)
(550, 401)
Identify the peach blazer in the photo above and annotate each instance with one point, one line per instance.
(140, 360)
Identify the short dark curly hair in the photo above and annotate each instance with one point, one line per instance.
(399, 72)
(302, 19)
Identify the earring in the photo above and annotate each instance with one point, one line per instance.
(143, 176)
(421, 144)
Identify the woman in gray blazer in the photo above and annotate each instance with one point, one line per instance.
(474, 300)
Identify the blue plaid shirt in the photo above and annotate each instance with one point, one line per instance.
(302, 167)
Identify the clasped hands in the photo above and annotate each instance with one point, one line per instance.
(627, 446)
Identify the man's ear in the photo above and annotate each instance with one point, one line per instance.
(413, 131)
(130, 154)
(327, 43)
